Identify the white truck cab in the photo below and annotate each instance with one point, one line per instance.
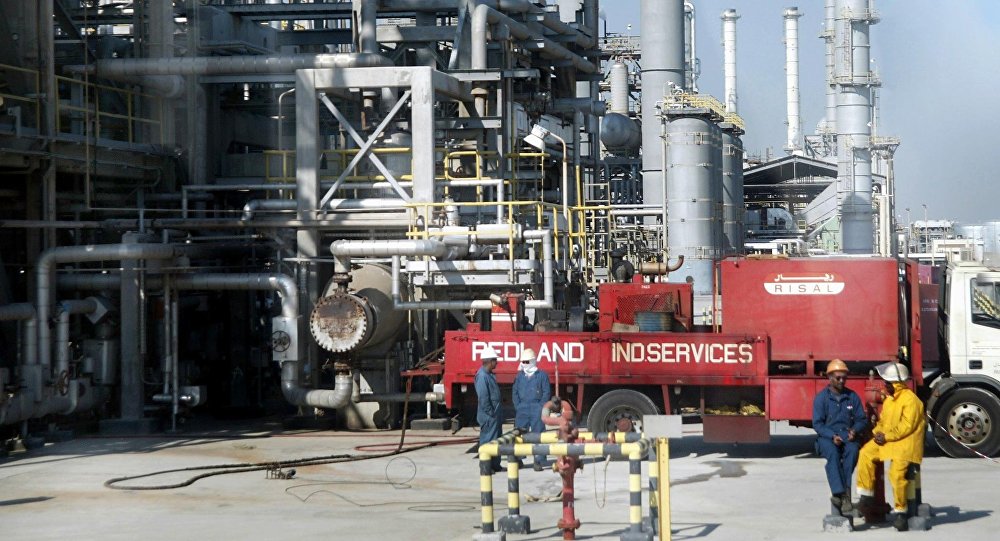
(964, 401)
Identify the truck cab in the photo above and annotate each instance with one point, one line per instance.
(964, 400)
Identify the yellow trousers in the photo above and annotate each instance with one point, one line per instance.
(868, 460)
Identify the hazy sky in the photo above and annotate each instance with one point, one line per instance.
(940, 68)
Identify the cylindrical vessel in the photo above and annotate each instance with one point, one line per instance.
(619, 88)
(694, 198)
(620, 132)
(829, 32)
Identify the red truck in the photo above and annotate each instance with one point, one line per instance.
(782, 320)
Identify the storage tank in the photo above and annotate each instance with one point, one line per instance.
(732, 189)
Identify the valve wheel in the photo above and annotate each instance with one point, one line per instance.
(280, 341)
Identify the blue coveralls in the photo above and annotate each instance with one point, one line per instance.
(530, 394)
(489, 413)
(836, 414)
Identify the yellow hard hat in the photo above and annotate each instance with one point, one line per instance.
(836, 365)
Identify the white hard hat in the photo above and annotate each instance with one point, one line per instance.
(893, 372)
(488, 353)
(528, 354)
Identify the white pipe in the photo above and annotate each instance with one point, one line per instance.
(485, 15)
(729, 18)
(793, 141)
(337, 397)
(829, 35)
(334, 205)
(229, 65)
(695, 67)
(386, 248)
(619, 88)
(545, 235)
(66, 254)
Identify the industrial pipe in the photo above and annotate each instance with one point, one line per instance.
(228, 65)
(729, 18)
(545, 235)
(334, 205)
(337, 397)
(76, 254)
(485, 15)
(282, 283)
(793, 142)
(63, 312)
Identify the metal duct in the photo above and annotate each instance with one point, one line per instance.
(793, 142)
(76, 254)
(662, 41)
(729, 18)
(854, 112)
(694, 196)
(733, 210)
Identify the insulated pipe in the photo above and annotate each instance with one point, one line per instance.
(64, 310)
(18, 311)
(545, 235)
(485, 15)
(78, 254)
(282, 283)
(729, 18)
(337, 397)
(386, 248)
(690, 49)
(228, 65)
(661, 32)
(80, 396)
(793, 142)
(367, 13)
(334, 205)
(400, 397)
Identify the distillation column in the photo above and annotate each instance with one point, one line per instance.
(729, 18)
(662, 41)
(855, 80)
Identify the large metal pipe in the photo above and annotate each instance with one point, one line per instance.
(733, 209)
(662, 41)
(366, 13)
(228, 65)
(282, 283)
(64, 310)
(548, 291)
(793, 142)
(829, 35)
(334, 205)
(78, 254)
(729, 18)
(691, 67)
(854, 78)
(79, 396)
(485, 15)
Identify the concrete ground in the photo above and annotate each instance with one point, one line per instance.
(754, 492)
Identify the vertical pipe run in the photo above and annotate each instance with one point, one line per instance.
(662, 41)
(793, 142)
(729, 18)
(828, 35)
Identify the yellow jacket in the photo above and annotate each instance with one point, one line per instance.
(902, 422)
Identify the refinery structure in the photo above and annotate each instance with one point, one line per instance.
(210, 204)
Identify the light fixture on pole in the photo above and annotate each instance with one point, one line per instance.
(537, 139)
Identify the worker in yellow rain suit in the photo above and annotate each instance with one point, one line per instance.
(899, 440)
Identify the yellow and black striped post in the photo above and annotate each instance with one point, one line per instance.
(486, 489)
(635, 491)
(513, 488)
(654, 492)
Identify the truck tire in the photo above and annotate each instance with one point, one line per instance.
(619, 404)
(972, 416)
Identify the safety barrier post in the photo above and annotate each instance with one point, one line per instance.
(662, 520)
(486, 490)
(514, 522)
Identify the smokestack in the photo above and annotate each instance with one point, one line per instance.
(852, 74)
(662, 41)
(793, 143)
(729, 18)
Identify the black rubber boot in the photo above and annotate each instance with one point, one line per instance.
(900, 522)
(866, 505)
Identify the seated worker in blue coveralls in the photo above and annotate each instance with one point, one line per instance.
(531, 391)
(839, 418)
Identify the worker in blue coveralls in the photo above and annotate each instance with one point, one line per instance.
(839, 418)
(531, 390)
(489, 413)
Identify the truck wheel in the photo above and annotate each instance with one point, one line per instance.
(617, 405)
(970, 416)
